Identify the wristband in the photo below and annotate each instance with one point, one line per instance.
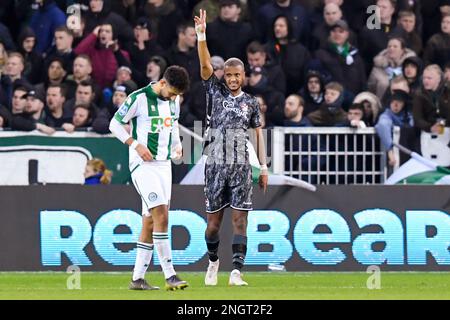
(134, 144)
(201, 36)
(264, 167)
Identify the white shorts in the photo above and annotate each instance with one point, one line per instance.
(153, 182)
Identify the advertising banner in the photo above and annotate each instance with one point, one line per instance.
(336, 228)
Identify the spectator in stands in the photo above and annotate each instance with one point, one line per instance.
(35, 105)
(183, 52)
(143, 47)
(155, 69)
(106, 56)
(5, 117)
(447, 72)
(415, 7)
(372, 107)
(437, 50)
(388, 65)
(103, 118)
(227, 35)
(194, 108)
(55, 74)
(330, 113)
(3, 57)
(56, 114)
(6, 38)
(406, 28)
(342, 60)
(44, 22)
(165, 16)
(431, 106)
(373, 40)
(313, 92)
(261, 64)
(355, 116)
(12, 76)
(96, 172)
(397, 114)
(85, 94)
(100, 13)
(33, 61)
(412, 69)
(398, 83)
(267, 13)
(331, 14)
(262, 112)
(123, 74)
(292, 56)
(293, 111)
(82, 118)
(25, 111)
(63, 48)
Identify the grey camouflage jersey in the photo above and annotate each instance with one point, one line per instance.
(228, 119)
(228, 174)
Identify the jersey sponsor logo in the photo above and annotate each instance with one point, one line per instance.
(229, 106)
(159, 123)
(152, 197)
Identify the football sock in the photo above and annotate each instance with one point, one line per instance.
(162, 246)
(143, 258)
(239, 248)
(212, 243)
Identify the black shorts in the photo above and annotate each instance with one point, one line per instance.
(228, 185)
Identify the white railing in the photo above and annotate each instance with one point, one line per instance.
(329, 155)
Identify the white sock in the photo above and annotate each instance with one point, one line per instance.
(143, 258)
(162, 246)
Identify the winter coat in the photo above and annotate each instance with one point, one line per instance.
(44, 23)
(384, 70)
(429, 106)
(351, 76)
(104, 61)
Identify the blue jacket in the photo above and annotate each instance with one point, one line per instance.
(44, 21)
(386, 123)
(93, 179)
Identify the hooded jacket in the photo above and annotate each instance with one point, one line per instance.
(44, 22)
(120, 25)
(384, 70)
(33, 61)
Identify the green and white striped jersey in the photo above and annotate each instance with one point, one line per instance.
(152, 122)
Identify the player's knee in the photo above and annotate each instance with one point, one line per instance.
(240, 224)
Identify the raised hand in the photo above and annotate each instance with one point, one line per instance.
(200, 22)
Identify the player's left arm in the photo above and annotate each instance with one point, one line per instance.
(260, 147)
(261, 153)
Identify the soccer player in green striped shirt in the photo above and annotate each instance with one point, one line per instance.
(153, 141)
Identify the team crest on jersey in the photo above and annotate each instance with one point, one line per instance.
(152, 197)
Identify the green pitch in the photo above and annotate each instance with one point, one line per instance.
(262, 286)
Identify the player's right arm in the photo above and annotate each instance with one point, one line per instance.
(206, 69)
(117, 127)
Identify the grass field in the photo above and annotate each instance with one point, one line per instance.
(262, 286)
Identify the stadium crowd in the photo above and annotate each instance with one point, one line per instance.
(310, 62)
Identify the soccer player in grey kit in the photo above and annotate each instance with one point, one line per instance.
(228, 174)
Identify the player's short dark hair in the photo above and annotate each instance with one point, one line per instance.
(234, 62)
(177, 77)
